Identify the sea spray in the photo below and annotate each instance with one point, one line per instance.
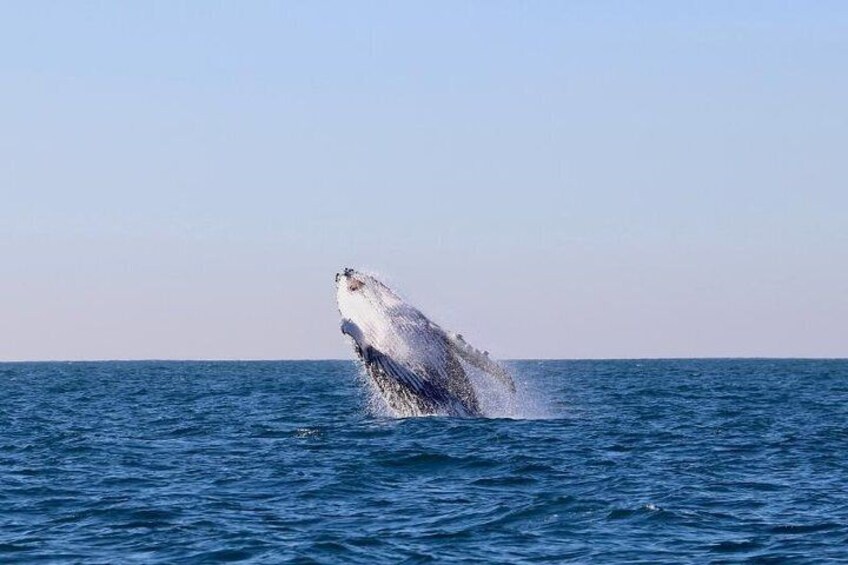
(528, 402)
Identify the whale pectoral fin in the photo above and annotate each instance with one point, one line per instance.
(349, 328)
(353, 331)
(479, 359)
(403, 376)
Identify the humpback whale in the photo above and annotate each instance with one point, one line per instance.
(417, 367)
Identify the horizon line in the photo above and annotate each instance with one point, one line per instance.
(508, 360)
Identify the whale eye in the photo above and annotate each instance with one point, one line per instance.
(354, 284)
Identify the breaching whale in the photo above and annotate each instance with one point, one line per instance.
(417, 367)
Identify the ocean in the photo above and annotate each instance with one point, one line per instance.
(650, 461)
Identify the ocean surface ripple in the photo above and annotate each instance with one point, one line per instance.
(266, 462)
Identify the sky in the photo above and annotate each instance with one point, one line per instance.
(585, 179)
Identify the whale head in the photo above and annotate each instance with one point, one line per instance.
(364, 300)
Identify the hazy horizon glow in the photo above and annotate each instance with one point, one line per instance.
(583, 180)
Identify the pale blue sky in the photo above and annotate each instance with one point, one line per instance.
(553, 179)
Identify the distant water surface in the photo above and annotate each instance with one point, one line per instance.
(267, 462)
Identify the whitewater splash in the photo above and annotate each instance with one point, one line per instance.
(414, 367)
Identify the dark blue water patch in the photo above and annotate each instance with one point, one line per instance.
(644, 461)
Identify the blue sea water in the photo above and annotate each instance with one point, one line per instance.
(266, 462)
